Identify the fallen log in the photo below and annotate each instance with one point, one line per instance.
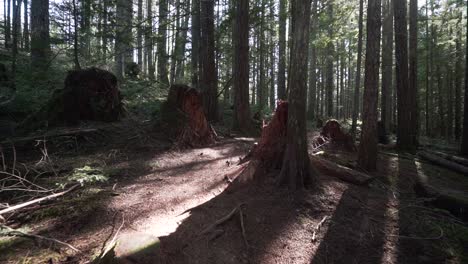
(449, 157)
(444, 163)
(455, 204)
(341, 172)
(38, 200)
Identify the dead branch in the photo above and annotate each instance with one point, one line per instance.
(317, 228)
(39, 200)
(13, 232)
(221, 220)
(241, 215)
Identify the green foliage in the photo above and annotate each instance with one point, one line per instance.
(88, 175)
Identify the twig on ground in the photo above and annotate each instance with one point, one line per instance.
(35, 201)
(106, 249)
(241, 215)
(317, 228)
(13, 232)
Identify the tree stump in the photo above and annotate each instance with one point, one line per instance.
(184, 118)
(89, 94)
(332, 130)
(267, 155)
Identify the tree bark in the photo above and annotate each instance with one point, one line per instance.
(209, 81)
(149, 39)
(123, 36)
(163, 77)
(242, 119)
(464, 145)
(313, 63)
(140, 34)
(282, 50)
(387, 65)
(40, 38)
(404, 130)
(8, 23)
(413, 71)
(26, 27)
(358, 70)
(330, 55)
(367, 156)
(195, 30)
(458, 78)
(296, 169)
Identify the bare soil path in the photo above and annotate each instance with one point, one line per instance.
(164, 199)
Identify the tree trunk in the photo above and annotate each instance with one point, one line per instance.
(8, 23)
(282, 50)
(358, 70)
(296, 169)
(428, 95)
(367, 157)
(195, 43)
(140, 34)
(209, 80)
(163, 77)
(181, 45)
(387, 65)
(242, 119)
(123, 36)
(149, 39)
(104, 36)
(26, 27)
(262, 98)
(458, 80)
(413, 71)
(40, 39)
(464, 145)
(313, 63)
(330, 55)
(404, 131)
(76, 61)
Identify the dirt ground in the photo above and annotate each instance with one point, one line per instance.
(160, 201)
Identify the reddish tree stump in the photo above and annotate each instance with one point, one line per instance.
(185, 118)
(332, 130)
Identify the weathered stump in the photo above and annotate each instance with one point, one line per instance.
(332, 130)
(90, 94)
(185, 119)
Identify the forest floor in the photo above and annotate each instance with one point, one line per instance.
(159, 201)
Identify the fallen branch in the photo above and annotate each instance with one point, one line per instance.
(39, 200)
(221, 220)
(444, 163)
(13, 232)
(341, 172)
(241, 215)
(317, 228)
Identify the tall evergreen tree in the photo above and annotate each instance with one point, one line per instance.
(296, 171)
(367, 156)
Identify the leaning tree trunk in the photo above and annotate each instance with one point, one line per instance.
(367, 156)
(296, 170)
